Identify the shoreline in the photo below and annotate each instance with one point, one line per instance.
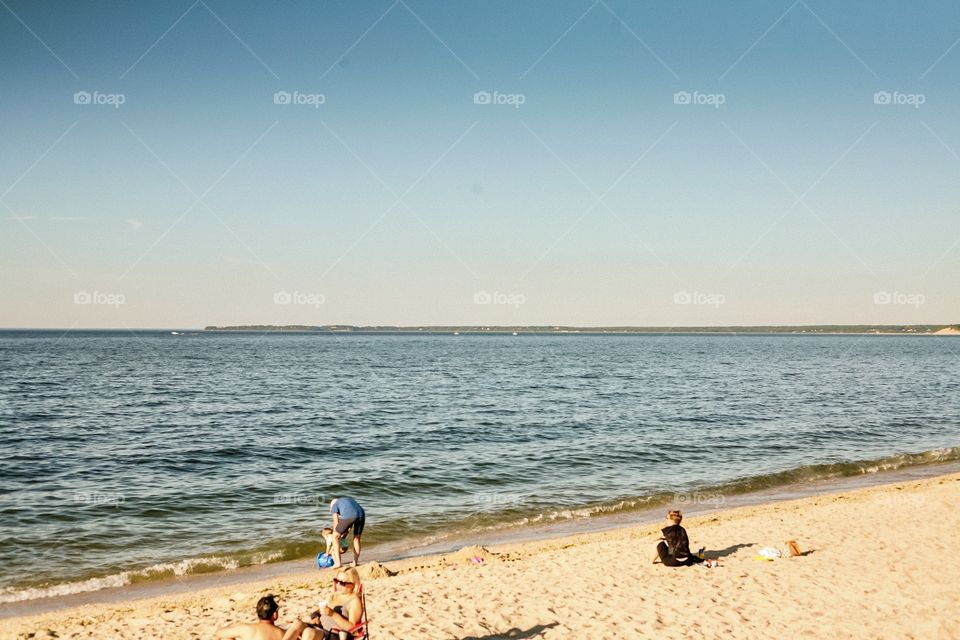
(550, 588)
(400, 551)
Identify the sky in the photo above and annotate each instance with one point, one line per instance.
(404, 162)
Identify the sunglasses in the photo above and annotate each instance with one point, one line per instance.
(342, 583)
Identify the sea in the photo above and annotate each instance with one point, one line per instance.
(137, 456)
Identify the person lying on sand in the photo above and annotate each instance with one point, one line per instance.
(673, 550)
(344, 610)
(264, 628)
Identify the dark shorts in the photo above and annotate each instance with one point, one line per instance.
(345, 524)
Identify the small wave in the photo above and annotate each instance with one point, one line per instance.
(11, 594)
(191, 566)
(828, 471)
(506, 520)
(551, 516)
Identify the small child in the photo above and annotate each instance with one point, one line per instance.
(328, 538)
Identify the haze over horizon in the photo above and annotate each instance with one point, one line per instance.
(589, 163)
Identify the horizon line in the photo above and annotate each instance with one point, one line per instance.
(489, 327)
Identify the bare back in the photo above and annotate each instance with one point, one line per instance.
(262, 630)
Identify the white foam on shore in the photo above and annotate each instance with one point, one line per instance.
(543, 518)
(64, 589)
(769, 482)
(124, 578)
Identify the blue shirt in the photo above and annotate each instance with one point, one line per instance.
(348, 508)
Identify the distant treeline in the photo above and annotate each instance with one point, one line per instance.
(825, 328)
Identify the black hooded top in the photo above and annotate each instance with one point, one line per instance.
(677, 542)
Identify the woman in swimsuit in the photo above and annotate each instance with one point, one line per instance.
(344, 610)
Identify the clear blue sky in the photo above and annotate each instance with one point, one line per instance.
(597, 201)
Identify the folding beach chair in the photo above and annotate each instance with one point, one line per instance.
(361, 629)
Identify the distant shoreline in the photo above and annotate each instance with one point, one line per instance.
(536, 329)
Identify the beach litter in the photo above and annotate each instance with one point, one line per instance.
(769, 553)
(792, 550)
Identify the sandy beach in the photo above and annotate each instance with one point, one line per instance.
(878, 562)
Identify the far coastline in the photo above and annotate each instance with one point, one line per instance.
(914, 329)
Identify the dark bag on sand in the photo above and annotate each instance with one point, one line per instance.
(677, 542)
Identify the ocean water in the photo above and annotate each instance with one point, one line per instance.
(131, 457)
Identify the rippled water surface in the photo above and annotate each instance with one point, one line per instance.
(128, 457)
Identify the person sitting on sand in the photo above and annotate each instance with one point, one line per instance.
(673, 550)
(344, 610)
(264, 628)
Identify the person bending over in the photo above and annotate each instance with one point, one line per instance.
(347, 515)
(673, 549)
(264, 628)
